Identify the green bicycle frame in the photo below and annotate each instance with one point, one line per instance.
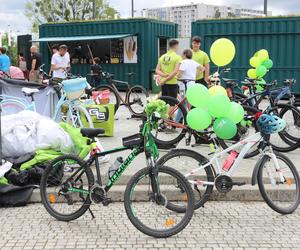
(149, 148)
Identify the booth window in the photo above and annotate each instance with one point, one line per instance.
(110, 51)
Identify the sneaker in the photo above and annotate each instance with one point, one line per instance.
(104, 159)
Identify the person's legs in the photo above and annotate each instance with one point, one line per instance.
(182, 93)
(202, 81)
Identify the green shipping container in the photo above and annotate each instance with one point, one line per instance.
(279, 35)
(151, 38)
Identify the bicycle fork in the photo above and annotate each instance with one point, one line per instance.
(156, 194)
(277, 168)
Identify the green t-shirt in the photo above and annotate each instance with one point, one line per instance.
(202, 58)
(168, 63)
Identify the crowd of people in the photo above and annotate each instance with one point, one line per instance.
(174, 71)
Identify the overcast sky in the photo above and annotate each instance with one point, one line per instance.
(11, 11)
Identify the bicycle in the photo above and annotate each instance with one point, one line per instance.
(135, 99)
(210, 173)
(154, 186)
(289, 139)
(66, 110)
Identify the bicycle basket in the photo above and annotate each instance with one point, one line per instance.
(133, 141)
(74, 88)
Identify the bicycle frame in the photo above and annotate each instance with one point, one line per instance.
(246, 144)
(149, 147)
(112, 83)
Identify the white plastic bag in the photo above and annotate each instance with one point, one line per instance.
(27, 131)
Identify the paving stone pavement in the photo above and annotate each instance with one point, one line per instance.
(220, 225)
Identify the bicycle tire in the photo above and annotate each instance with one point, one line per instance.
(262, 188)
(145, 229)
(297, 118)
(43, 187)
(18, 106)
(210, 172)
(113, 92)
(131, 91)
(284, 136)
(169, 143)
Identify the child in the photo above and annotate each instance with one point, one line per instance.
(96, 71)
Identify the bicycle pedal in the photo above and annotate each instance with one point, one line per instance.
(238, 183)
(106, 202)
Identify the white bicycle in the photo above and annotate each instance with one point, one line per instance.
(276, 175)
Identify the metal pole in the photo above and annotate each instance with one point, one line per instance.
(94, 9)
(266, 7)
(132, 8)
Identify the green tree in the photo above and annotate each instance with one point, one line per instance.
(217, 13)
(42, 11)
(11, 49)
(230, 14)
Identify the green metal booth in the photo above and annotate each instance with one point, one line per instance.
(123, 45)
(279, 35)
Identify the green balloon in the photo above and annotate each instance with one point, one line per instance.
(198, 119)
(236, 112)
(268, 63)
(198, 95)
(218, 106)
(261, 71)
(225, 128)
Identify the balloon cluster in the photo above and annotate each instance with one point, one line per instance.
(261, 63)
(213, 106)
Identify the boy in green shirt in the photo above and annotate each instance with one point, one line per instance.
(167, 69)
(202, 58)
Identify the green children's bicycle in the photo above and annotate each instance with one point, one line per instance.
(159, 201)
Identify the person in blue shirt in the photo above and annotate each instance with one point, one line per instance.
(4, 61)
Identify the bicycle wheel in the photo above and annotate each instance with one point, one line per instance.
(137, 100)
(10, 107)
(153, 214)
(169, 132)
(185, 161)
(65, 187)
(288, 139)
(242, 133)
(113, 97)
(279, 187)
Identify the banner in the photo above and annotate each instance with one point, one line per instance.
(130, 49)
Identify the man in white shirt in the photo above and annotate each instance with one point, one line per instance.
(60, 63)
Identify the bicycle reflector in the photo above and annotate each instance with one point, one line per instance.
(257, 115)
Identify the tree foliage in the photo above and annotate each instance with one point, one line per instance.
(42, 11)
(217, 13)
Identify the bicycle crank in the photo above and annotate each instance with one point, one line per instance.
(224, 183)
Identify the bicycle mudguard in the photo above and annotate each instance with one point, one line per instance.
(256, 169)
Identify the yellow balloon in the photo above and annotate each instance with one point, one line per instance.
(255, 61)
(222, 52)
(252, 73)
(217, 90)
(263, 54)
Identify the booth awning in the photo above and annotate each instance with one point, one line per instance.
(80, 38)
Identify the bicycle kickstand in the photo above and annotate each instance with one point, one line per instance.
(92, 214)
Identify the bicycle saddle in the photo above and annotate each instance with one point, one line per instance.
(92, 132)
(28, 91)
(131, 74)
(229, 81)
